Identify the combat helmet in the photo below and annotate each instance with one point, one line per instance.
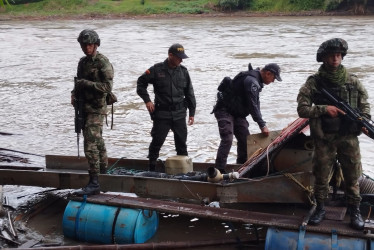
(334, 45)
(89, 36)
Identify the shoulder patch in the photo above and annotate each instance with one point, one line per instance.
(255, 86)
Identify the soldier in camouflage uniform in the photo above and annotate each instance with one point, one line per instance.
(94, 82)
(334, 135)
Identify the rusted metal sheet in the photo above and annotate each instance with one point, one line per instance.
(293, 160)
(277, 189)
(21, 167)
(273, 218)
(256, 142)
(285, 136)
(191, 244)
(195, 210)
(75, 163)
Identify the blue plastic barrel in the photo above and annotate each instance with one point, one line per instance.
(283, 239)
(104, 224)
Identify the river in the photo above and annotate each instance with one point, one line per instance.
(38, 61)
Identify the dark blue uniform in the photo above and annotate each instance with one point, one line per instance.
(239, 100)
(173, 95)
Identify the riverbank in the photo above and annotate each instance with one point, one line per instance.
(14, 13)
(96, 16)
(136, 9)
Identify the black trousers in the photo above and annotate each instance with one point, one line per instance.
(159, 133)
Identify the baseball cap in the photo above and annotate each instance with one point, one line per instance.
(275, 69)
(178, 50)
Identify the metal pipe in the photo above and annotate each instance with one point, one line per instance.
(214, 175)
(159, 245)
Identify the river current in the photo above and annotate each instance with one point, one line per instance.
(38, 61)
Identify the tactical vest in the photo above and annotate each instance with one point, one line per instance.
(347, 92)
(231, 95)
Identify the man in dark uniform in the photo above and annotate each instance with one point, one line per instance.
(93, 83)
(235, 102)
(173, 95)
(335, 136)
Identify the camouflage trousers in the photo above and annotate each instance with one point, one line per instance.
(347, 151)
(94, 146)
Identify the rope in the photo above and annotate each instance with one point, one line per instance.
(193, 195)
(308, 190)
(111, 167)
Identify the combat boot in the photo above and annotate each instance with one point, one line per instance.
(318, 215)
(92, 187)
(103, 167)
(152, 165)
(356, 219)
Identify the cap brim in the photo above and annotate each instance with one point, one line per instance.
(279, 79)
(181, 55)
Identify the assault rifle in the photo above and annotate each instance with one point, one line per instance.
(78, 106)
(354, 115)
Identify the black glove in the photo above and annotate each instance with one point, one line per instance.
(84, 84)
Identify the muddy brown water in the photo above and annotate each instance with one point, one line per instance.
(38, 61)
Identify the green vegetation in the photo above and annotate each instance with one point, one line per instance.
(105, 7)
(61, 8)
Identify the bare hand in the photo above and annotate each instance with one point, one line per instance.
(265, 131)
(150, 107)
(191, 120)
(365, 131)
(334, 111)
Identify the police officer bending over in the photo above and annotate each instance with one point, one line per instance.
(237, 99)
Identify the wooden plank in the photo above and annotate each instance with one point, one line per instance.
(286, 134)
(259, 141)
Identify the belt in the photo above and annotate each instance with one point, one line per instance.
(174, 107)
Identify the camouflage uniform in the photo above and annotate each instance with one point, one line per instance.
(330, 145)
(335, 137)
(99, 71)
(96, 74)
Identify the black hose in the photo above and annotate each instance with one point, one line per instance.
(366, 185)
